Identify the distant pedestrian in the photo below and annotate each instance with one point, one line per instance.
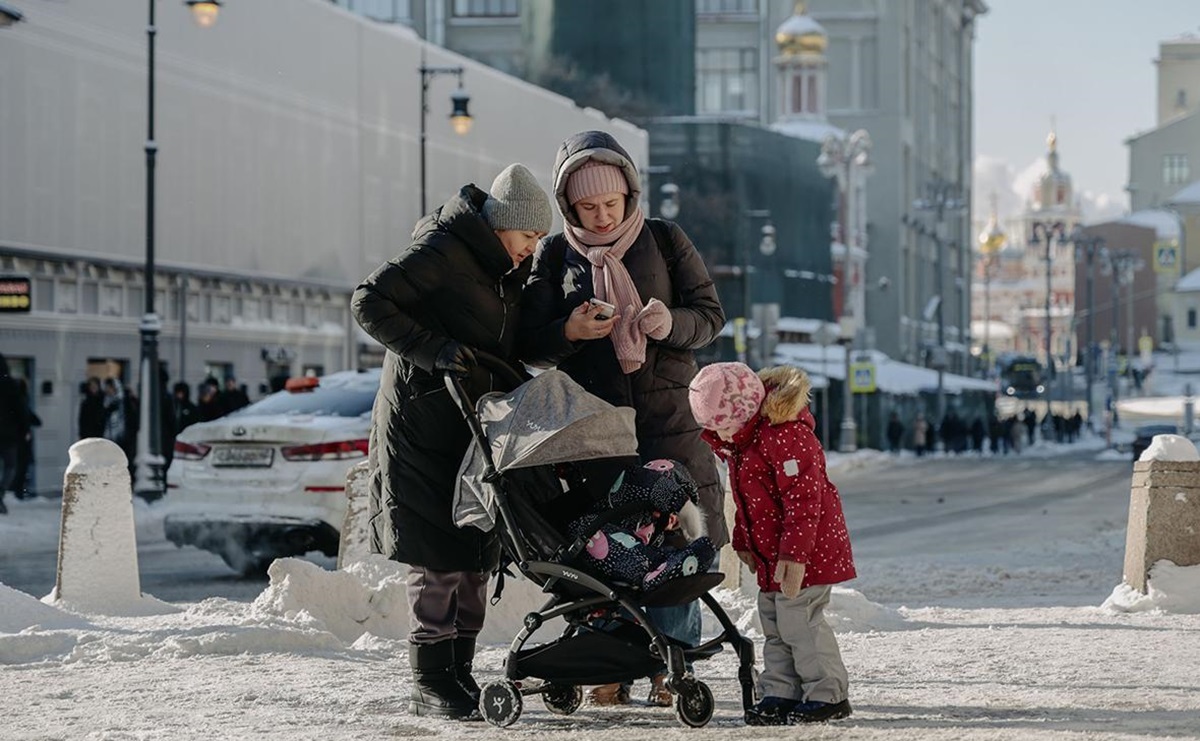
(920, 434)
(15, 413)
(895, 432)
(1030, 420)
(233, 397)
(185, 411)
(209, 405)
(22, 482)
(91, 410)
(978, 433)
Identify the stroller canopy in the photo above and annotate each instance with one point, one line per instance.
(548, 420)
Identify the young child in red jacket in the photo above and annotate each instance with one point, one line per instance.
(789, 530)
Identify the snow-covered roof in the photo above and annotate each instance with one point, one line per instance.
(1188, 196)
(1189, 283)
(891, 376)
(1164, 223)
(804, 128)
(993, 329)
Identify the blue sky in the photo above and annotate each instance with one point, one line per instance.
(1087, 63)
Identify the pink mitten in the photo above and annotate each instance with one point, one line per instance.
(654, 320)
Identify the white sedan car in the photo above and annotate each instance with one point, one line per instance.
(269, 480)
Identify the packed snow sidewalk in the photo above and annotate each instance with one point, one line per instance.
(320, 655)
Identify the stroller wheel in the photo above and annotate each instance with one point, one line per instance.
(563, 699)
(694, 703)
(500, 703)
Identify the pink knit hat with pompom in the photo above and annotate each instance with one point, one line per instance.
(725, 395)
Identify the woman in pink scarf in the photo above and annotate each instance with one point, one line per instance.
(666, 307)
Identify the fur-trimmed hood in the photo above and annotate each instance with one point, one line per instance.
(788, 393)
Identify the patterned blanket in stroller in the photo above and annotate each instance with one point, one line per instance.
(650, 547)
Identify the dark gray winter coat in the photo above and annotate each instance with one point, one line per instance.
(672, 272)
(455, 281)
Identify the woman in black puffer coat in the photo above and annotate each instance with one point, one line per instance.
(453, 291)
(666, 307)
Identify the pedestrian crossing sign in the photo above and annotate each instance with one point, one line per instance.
(1166, 258)
(862, 378)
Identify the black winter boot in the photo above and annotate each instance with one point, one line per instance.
(464, 654)
(436, 690)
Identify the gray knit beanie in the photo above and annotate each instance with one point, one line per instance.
(516, 201)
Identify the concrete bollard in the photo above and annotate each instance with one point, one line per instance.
(355, 542)
(97, 546)
(1164, 518)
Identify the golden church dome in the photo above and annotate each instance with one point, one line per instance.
(800, 34)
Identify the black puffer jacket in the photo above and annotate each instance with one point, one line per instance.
(675, 274)
(455, 281)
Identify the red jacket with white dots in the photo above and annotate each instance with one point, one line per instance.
(786, 505)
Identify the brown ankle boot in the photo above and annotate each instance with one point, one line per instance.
(660, 696)
(609, 694)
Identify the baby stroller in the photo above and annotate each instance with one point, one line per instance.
(539, 453)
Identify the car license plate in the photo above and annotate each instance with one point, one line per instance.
(238, 456)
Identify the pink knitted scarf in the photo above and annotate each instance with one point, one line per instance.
(612, 283)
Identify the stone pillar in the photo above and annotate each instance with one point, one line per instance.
(355, 541)
(1164, 518)
(97, 546)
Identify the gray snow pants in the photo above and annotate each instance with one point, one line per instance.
(801, 660)
(445, 604)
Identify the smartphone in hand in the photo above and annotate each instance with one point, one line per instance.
(604, 310)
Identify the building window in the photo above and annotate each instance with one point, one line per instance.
(1181, 100)
(727, 80)
(1192, 318)
(1175, 169)
(726, 7)
(485, 8)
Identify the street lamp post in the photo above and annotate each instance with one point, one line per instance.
(460, 118)
(766, 246)
(991, 241)
(1089, 247)
(148, 460)
(847, 161)
(1122, 264)
(941, 197)
(1048, 232)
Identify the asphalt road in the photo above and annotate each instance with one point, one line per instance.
(1038, 528)
(167, 572)
(942, 514)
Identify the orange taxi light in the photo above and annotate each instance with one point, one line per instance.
(301, 384)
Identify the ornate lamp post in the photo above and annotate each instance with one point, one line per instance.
(460, 118)
(148, 461)
(991, 241)
(1090, 247)
(766, 247)
(941, 197)
(848, 162)
(1048, 232)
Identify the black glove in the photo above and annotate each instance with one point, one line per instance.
(454, 357)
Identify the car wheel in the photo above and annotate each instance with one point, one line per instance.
(248, 565)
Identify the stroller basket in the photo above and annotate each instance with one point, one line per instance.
(599, 657)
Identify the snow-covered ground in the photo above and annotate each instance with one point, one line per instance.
(320, 654)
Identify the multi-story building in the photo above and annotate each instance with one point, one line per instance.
(900, 69)
(286, 172)
(1160, 169)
